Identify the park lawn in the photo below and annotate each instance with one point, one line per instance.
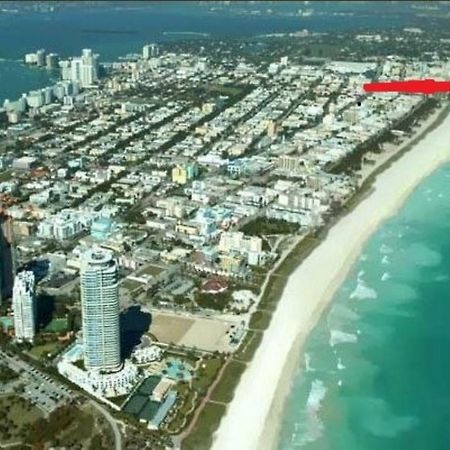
(21, 413)
(130, 285)
(224, 390)
(57, 325)
(208, 421)
(206, 375)
(42, 351)
(150, 270)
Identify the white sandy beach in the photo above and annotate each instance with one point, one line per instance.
(252, 418)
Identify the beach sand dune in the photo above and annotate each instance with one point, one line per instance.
(252, 418)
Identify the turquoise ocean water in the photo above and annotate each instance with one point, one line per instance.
(376, 372)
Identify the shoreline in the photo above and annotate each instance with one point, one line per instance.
(279, 353)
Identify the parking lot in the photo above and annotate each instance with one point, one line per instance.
(38, 388)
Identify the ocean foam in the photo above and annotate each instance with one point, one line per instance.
(362, 291)
(442, 277)
(340, 314)
(422, 255)
(341, 337)
(308, 367)
(378, 419)
(385, 249)
(385, 276)
(310, 428)
(316, 395)
(340, 365)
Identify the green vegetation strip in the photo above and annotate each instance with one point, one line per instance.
(207, 422)
(248, 346)
(224, 390)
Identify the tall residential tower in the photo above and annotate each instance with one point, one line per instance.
(84, 70)
(100, 310)
(24, 306)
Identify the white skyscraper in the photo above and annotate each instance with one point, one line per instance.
(24, 306)
(100, 310)
(84, 70)
(150, 51)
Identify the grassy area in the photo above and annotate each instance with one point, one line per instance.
(263, 225)
(81, 429)
(118, 400)
(57, 325)
(16, 415)
(224, 90)
(5, 175)
(224, 390)
(130, 285)
(7, 374)
(213, 301)
(207, 423)
(260, 320)
(150, 270)
(44, 350)
(249, 346)
(67, 426)
(186, 398)
(206, 374)
(321, 50)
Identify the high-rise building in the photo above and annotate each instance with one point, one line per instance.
(84, 70)
(7, 259)
(150, 51)
(40, 57)
(66, 69)
(100, 310)
(24, 306)
(51, 61)
(36, 99)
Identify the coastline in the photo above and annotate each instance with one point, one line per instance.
(277, 356)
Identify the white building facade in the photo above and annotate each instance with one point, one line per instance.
(100, 310)
(24, 306)
(84, 70)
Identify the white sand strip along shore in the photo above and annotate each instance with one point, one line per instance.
(253, 417)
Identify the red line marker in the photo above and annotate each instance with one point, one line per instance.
(428, 86)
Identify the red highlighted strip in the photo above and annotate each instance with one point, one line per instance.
(428, 86)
